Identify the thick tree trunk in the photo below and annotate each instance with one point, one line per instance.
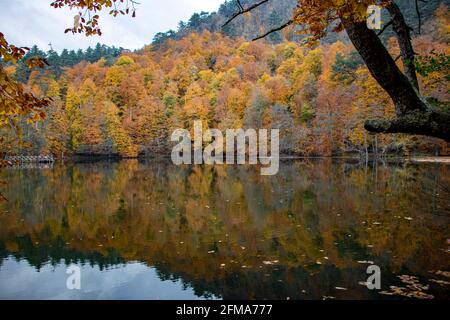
(414, 114)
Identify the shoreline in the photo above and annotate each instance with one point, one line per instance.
(418, 159)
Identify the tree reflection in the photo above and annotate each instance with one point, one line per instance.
(230, 232)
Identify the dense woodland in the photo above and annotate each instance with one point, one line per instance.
(58, 61)
(318, 96)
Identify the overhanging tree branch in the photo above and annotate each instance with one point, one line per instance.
(429, 123)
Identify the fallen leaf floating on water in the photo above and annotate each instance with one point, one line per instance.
(413, 289)
(441, 273)
(440, 282)
(268, 263)
(400, 291)
(362, 283)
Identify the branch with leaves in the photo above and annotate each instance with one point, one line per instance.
(15, 101)
(87, 19)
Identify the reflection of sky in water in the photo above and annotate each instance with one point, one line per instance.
(19, 280)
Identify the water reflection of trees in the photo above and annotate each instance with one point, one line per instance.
(229, 231)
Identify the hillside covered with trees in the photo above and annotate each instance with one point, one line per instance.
(318, 96)
(272, 15)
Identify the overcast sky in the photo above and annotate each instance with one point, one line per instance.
(29, 22)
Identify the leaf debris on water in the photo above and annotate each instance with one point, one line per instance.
(341, 288)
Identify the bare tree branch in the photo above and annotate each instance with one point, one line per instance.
(241, 8)
(384, 28)
(419, 16)
(274, 30)
(242, 11)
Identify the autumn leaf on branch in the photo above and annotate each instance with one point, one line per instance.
(14, 100)
(87, 19)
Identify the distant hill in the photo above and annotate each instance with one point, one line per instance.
(274, 14)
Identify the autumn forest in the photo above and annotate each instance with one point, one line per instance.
(115, 102)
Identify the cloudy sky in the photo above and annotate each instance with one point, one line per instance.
(28, 22)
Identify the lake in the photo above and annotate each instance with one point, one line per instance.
(152, 230)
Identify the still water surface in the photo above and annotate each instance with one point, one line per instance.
(156, 231)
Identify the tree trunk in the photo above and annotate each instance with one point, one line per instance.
(403, 32)
(414, 114)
